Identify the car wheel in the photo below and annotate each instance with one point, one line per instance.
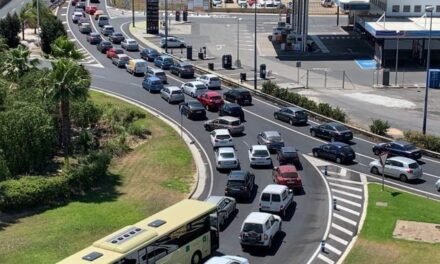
(403, 178)
(275, 116)
(374, 170)
(315, 154)
(291, 122)
(313, 133)
(280, 228)
(196, 258)
(338, 160)
(207, 128)
(182, 46)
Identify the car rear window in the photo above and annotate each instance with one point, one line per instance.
(227, 155)
(261, 153)
(275, 138)
(214, 79)
(346, 149)
(168, 60)
(235, 183)
(265, 197)
(215, 97)
(187, 67)
(251, 227)
(245, 93)
(414, 165)
(176, 92)
(276, 198)
(160, 74)
(124, 58)
(223, 137)
(200, 87)
(300, 114)
(290, 175)
(103, 18)
(119, 51)
(340, 128)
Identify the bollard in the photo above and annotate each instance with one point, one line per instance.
(325, 170)
(334, 205)
(323, 246)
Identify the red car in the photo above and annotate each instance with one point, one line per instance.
(211, 100)
(91, 10)
(287, 175)
(112, 52)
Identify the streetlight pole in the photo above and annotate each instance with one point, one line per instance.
(238, 62)
(132, 12)
(397, 56)
(428, 60)
(255, 45)
(166, 26)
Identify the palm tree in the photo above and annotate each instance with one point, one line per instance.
(3, 45)
(64, 48)
(68, 81)
(28, 17)
(17, 62)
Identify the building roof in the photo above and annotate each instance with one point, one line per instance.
(412, 27)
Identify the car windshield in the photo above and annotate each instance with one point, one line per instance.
(409, 147)
(235, 123)
(187, 67)
(118, 51)
(235, 183)
(414, 165)
(251, 227)
(200, 87)
(261, 153)
(227, 155)
(223, 137)
(131, 42)
(340, 127)
(289, 153)
(245, 94)
(289, 175)
(176, 92)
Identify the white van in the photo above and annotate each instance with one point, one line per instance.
(276, 198)
(136, 66)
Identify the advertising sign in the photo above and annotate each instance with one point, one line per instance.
(153, 16)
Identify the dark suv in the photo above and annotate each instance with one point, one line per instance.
(192, 110)
(292, 115)
(287, 155)
(239, 96)
(231, 109)
(398, 148)
(182, 69)
(332, 131)
(240, 184)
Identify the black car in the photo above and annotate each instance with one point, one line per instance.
(94, 38)
(332, 131)
(231, 109)
(337, 151)
(240, 184)
(239, 96)
(399, 148)
(182, 69)
(149, 54)
(104, 45)
(287, 155)
(192, 110)
(81, 5)
(292, 115)
(116, 38)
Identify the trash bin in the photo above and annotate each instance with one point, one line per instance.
(200, 55)
(242, 76)
(211, 66)
(288, 18)
(189, 52)
(386, 77)
(185, 15)
(227, 61)
(177, 15)
(263, 71)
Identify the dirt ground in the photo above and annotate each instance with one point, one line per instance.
(417, 231)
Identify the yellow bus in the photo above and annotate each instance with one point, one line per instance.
(184, 233)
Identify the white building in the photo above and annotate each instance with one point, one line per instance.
(405, 8)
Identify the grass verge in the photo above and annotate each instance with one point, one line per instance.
(136, 188)
(376, 244)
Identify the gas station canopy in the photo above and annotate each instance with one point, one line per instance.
(353, 4)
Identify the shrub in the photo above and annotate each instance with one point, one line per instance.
(118, 117)
(117, 146)
(138, 130)
(4, 170)
(379, 127)
(339, 115)
(269, 87)
(85, 114)
(429, 142)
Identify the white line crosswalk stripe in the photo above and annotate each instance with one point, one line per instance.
(345, 219)
(332, 249)
(346, 201)
(346, 181)
(343, 230)
(325, 259)
(338, 239)
(346, 187)
(348, 210)
(347, 194)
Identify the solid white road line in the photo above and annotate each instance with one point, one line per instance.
(346, 187)
(346, 181)
(343, 171)
(347, 194)
(325, 259)
(343, 230)
(346, 201)
(333, 249)
(345, 219)
(431, 175)
(338, 239)
(348, 210)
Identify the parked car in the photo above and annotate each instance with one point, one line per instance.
(76, 16)
(172, 42)
(227, 259)
(104, 45)
(240, 184)
(276, 198)
(182, 69)
(336, 151)
(259, 230)
(103, 20)
(292, 115)
(211, 100)
(232, 124)
(107, 30)
(437, 185)
(398, 148)
(287, 155)
(259, 155)
(130, 44)
(287, 175)
(98, 13)
(94, 38)
(226, 158)
(239, 96)
(210, 80)
(120, 60)
(152, 84)
(91, 10)
(80, 10)
(221, 138)
(136, 66)
(231, 109)
(159, 73)
(116, 37)
(192, 110)
(402, 168)
(164, 62)
(172, 94)
(111, 53)
(332, 131)
(226, 208)
(85, 28)
(194, 88)
(272, 139)
(149, 54)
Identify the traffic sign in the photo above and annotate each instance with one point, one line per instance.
(383, 157)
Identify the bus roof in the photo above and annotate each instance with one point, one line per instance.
(114, 246)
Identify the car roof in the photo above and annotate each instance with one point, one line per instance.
(138, 60)
(402, 159)
(228, 118)
(77, 13)
(225, 260)
(210, 75)
(121, 55)
(287, 168)
(196, 83)
(237, 175)
(94, 33)
(108, 26)
(174, 88)
(293, 108)
(153, 78)
(288, 149)
(274, 188)
(239, 90)
(212, 93)
(105, 42)
(129, 39)
(272, 133)
(155, 70)
(401, 142)
(221, 131)
(85, 24)
(257, 218)
(260, 147)
(338, 144)
(226, 150)
(194, 102)
(214, 199)
(233, 105)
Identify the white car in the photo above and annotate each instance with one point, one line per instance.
(130, 44)
(327, 3)
(437, 185)
(227, 259)
(221, 138)
(398, 167)
(76, 16)
(226, 207)
(226, 158)
(217, 2)
(172, 42)
(194, 88)
(211, 81)
(259, 155)
(276, 198)
(259, 229)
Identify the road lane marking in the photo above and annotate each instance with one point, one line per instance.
(347, 194)
(333, 249)
(338, 239)
(348, 210)
(325, 259)
(346, 187)
(347, 201)
(343, 230)
(431, 175)
(345, 219)
(343, 180)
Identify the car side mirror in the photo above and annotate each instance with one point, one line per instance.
(290, 191)
(275, 168)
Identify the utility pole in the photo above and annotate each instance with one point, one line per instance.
(132, 12)
(428, 60)
(166, 26)
(255, 45)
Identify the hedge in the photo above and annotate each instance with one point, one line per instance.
(429, 142)
(324, 109)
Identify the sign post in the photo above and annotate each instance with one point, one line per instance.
(181, 120)
(383, 158)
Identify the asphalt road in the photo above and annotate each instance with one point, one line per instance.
(306, 224)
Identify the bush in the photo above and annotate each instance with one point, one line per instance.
(138, 130)
(429, 142)
(379, 127)
(51, 29)
(117, 146)
(85, 114)
(4, 170)
(118, 117)
(269, 87)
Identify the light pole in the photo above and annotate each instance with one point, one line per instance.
(428, 60)
(132, 12)
(238, 62)
(255, 45)
(397, 56)
(166, 26)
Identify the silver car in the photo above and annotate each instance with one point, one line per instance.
(272, 139)
(159, 73)
(398, 167)
(130, 44)
(172, 94)
(120, 60)
(226, 207)
(437, 185)
(232, 124)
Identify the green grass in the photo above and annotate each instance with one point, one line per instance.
(130, 194)
(376, 243)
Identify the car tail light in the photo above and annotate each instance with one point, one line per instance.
(409, 170)
(265, 237)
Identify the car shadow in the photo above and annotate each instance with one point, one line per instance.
(276, 244)
(244, 200)
(239, 135)
(421, 162)
(290, 212)
(416, 181)
(229, 220)
(299, 192)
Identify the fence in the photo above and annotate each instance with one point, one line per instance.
(324, 78)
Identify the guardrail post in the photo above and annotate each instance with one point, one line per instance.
(325, 79)
(343, 79)
(307, 79)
